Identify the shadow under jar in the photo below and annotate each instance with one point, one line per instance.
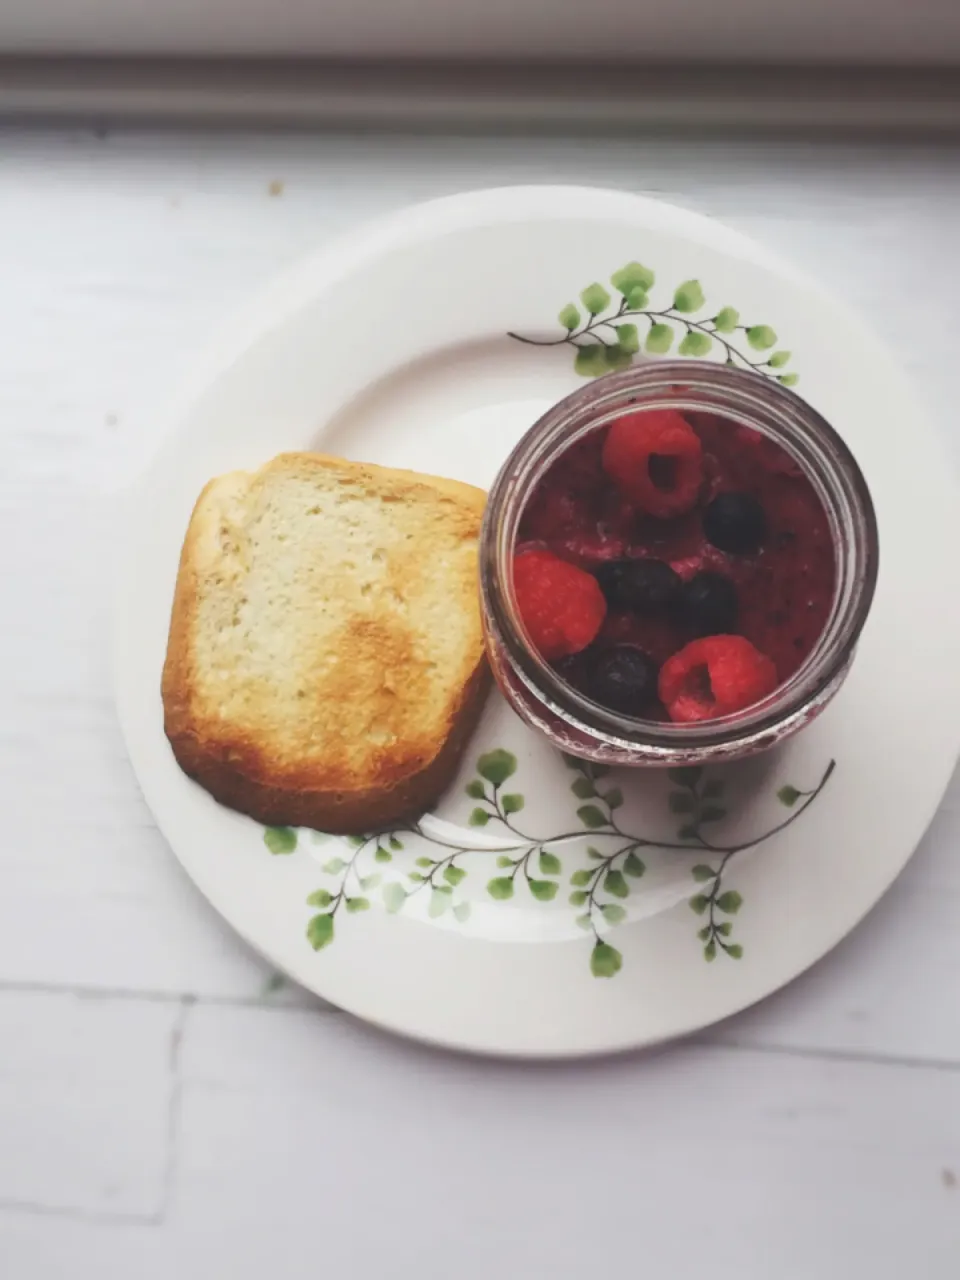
(549, 697)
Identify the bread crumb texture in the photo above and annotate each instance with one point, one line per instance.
(326, 628)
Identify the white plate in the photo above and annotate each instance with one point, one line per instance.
(392, 346)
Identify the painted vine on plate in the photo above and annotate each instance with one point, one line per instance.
(598, 886)
(606, 336)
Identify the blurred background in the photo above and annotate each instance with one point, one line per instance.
(882, 64)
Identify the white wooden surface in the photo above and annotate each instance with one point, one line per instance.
(164, 1111)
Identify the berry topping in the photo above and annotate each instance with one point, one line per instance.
(767, 453)
(623, 678)
(640, 586)
(735, 522)
(708, 604)
(715, 676)
(655, 458)
(562, 607)
(690, 525)
(554, 512)
(589, 549)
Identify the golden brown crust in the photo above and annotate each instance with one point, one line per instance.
(341, 813)
(235, 769)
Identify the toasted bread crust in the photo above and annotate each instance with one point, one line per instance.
(242, 773)
(341, 813)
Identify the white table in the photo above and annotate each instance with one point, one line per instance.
(168, 1108)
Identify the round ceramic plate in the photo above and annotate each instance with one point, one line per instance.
(546, 907)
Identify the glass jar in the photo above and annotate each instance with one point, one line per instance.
(571, 720)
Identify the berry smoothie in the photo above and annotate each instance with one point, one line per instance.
(675, 567)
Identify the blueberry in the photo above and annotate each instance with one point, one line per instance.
(735, 522)
(624, 679)
(709, 604)
(640, 586)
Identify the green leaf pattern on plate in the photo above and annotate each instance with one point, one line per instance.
(699, 801)
(280, 839)
(601, 876)
(607, 333)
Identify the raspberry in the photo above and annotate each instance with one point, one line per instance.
(561, 606)
(655, 458)
(714, 677)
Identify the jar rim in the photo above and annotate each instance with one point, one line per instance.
(750, 400)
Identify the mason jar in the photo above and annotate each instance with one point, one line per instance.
(569, 718)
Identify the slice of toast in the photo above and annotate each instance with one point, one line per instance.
(325, 665)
